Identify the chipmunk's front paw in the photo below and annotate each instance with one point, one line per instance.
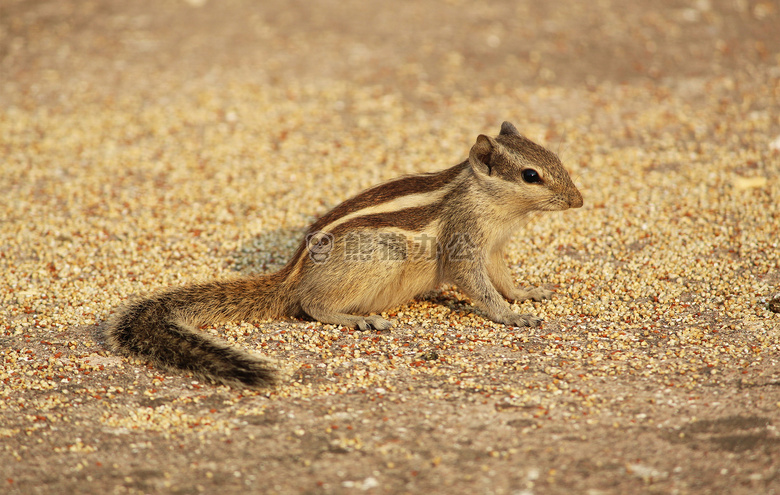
(517, 320)
(536, 294)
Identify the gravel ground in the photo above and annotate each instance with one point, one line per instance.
(147, 144)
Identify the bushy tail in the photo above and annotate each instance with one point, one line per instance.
(163, 328)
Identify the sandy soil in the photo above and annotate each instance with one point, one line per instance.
(147, 144)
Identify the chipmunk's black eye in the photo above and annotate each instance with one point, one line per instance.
(531, 176)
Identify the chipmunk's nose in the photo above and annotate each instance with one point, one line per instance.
(575, 199)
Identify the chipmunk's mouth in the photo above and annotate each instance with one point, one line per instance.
(560, 203)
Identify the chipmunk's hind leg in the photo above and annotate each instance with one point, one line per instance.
(364, 277)
(333, 294)
(373, 322)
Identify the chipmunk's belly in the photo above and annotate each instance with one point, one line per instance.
(397, 285)
(396, 277)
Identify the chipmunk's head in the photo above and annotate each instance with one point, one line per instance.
(514, 169)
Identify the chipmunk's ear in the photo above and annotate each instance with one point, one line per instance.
(483, 153)
(508, 129)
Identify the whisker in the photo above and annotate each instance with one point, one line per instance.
(561, 141)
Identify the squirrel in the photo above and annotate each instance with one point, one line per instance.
(378, 250)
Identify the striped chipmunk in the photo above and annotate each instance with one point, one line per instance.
(373, 252)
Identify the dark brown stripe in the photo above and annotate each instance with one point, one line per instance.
(411, 219)
(288, 268)
(404, 186)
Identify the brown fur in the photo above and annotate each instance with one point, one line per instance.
(373, 252)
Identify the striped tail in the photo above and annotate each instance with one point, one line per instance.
(163, 328)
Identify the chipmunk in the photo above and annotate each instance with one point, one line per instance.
(375, 251)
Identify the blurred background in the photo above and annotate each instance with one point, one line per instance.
(413, 46)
